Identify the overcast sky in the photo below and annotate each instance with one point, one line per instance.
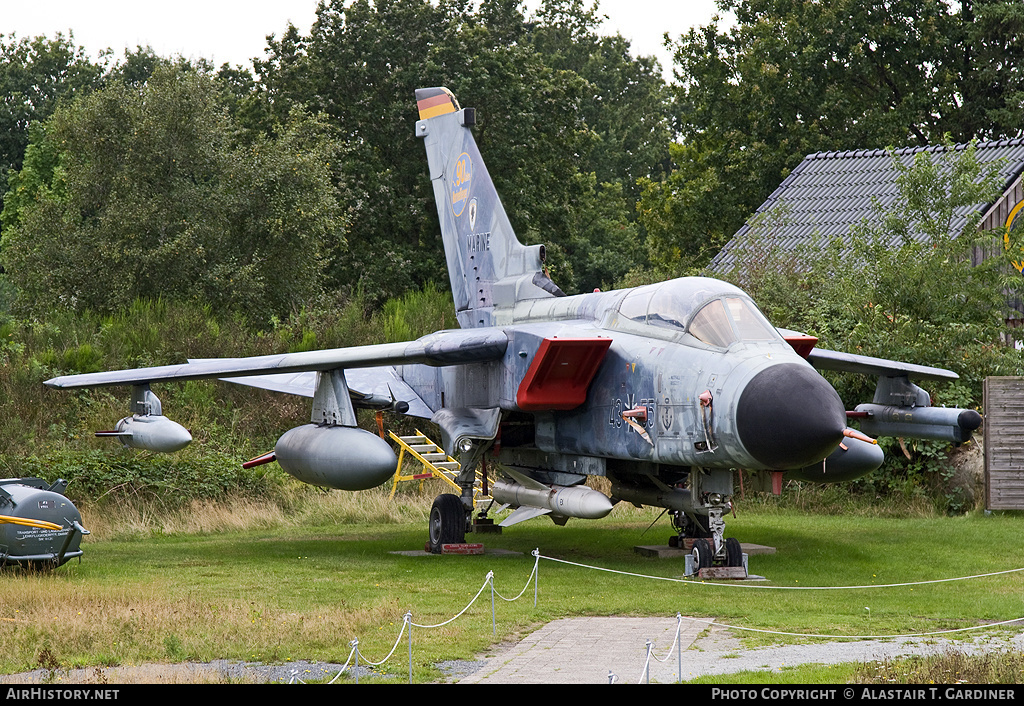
(235, 31)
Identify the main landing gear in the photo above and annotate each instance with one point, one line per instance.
(448, 519)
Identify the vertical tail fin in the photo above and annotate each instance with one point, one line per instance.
(488, 267)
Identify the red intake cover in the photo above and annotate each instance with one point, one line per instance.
(560, 373)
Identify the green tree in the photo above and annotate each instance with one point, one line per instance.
(147, 191)
(794, 77)
(902, 285)
(627, 105)
(360, 65)
(35, 75)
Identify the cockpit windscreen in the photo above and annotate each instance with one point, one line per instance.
(723, 317)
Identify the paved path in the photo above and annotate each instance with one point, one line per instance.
(585, 650)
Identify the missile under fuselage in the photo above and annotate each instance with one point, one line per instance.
(568, 501)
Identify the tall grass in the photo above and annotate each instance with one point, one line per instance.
(294, 505)
(952, 667)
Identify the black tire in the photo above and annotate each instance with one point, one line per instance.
(447, 522)
(702, 554)
(733, 552)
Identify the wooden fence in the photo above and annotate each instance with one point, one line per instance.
(1004, 443)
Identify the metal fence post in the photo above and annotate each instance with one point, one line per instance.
(408, 621)
(647, 667)
(355, 645)
(536, 574)
(679, 640)
(494, 621)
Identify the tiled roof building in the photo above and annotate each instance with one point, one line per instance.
(830, 192)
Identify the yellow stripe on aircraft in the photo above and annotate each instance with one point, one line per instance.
(41, 524)
(434, 111)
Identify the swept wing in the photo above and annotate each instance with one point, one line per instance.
(442, 348)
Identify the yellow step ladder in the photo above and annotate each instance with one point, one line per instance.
(436, 463)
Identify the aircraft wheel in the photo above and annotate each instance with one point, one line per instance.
(702, 554)
(733, 552)
(447, 522)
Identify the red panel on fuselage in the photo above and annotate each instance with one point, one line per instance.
(560, 373)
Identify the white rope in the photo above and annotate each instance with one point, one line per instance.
(528, 582)
(675, 641)
(818, 588)
(863, 637)
(489, 579)
(344, 667)
(698, 582)
(393, 648)
(486, 581)
(647, 665)
(650, 652)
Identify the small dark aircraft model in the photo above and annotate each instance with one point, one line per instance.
(664, 389)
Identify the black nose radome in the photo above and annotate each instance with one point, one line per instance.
(789, 417)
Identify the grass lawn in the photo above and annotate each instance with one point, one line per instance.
(306, 588)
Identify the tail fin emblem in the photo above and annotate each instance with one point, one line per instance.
(461, 181)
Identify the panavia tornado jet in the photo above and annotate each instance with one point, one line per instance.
(663, 389)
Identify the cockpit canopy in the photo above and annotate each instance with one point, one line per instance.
(712, 311)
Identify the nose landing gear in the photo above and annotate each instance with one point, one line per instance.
(704, 536)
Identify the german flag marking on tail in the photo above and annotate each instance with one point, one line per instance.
(432, 102)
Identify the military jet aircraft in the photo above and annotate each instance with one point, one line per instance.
(663, 389)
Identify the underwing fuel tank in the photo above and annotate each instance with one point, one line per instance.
(39, 526)
(345, 458)
(148, 428)
(852, 459)
(152, 432)
(572, 501)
